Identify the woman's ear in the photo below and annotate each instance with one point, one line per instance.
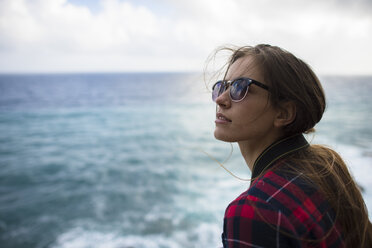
(286, 114)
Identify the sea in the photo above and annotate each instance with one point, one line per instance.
(128, 160)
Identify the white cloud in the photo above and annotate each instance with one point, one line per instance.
(56, 35)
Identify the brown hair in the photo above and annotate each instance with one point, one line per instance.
(291, 79)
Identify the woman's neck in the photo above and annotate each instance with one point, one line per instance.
(251, 149)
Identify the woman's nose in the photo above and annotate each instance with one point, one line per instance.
(224, 100)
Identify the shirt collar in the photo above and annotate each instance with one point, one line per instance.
(276, 151)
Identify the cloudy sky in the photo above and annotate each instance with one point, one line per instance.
(333, 36)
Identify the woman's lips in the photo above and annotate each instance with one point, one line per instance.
(221, 119)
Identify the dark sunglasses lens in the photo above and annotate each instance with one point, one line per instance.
(216, 91)
(238, 89)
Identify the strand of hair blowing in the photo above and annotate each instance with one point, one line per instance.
(291, 79)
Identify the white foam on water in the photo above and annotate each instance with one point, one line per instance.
(80, 238)
(202, 236)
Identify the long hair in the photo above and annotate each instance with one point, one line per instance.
(291, 79)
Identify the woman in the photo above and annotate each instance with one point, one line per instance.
(300, 195)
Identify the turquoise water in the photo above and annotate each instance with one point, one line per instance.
(116, 160)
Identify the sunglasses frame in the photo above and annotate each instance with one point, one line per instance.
(226, 85)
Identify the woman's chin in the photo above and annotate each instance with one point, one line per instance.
(223, 137)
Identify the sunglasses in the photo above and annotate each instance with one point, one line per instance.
(238, 88)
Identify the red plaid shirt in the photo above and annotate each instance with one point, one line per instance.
(280, 209)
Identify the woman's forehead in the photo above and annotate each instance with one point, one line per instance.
(243, 67)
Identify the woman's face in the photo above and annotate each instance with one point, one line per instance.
(250, 119)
